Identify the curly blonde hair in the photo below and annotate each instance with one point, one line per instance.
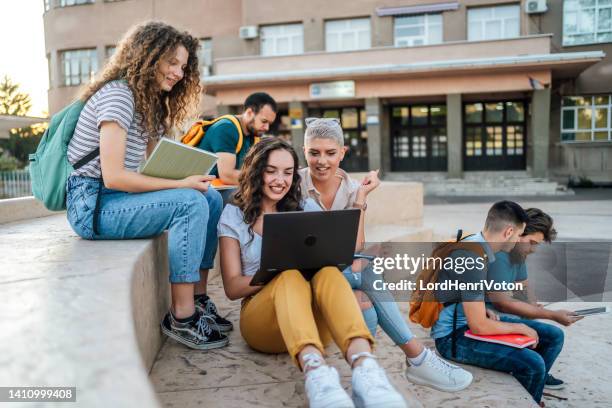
(137, 60)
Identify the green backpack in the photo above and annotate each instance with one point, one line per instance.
(49, 165)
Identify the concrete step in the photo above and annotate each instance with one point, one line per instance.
(80, 313)
(482, 183)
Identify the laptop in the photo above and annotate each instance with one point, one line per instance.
(307, 241)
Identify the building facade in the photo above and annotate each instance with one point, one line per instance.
(420, 86)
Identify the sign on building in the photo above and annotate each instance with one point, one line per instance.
(332, 90)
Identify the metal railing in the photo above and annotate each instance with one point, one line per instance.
(15, 184)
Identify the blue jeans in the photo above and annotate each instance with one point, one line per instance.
(385, 313)
(191, 218)
(528, 366)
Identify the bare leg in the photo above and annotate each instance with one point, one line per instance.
(362, 299)
(308, 349)
(202, 286)
(357, 345)
(413, 348)
(182, 300)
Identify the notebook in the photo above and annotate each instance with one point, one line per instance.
(174, 160)
(512, 340)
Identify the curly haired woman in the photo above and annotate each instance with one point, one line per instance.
(148, 86)
(291, 314)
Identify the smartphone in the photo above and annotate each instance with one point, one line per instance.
(593, 311)
(364, 256)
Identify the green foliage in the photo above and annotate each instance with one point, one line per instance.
(8, 162)
(13, 102)
(22, 141)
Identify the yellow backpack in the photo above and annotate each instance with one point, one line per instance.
(196, 133)
(424, 308)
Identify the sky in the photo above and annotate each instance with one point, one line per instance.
(22, 50)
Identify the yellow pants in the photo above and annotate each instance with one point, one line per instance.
(291, 312)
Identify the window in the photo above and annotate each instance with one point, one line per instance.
(110, 51)
(494, 135)
(47, 5)
(78, 66)
(347, 35)
(418, 134)
(492, 23)
(66, 3)
(283, 39)
(587, 21)
(205, 60)
(418, 30)
(49, 71)
(586, 119)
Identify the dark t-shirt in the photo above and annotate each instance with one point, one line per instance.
(222, 137)
(504, 270)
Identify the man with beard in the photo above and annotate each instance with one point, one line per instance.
(511, 268)
(223, 137)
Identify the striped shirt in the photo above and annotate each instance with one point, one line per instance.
(113, 102)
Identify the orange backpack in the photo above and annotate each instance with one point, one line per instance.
(424, 308)
(196, 133)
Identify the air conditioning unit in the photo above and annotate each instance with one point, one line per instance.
(535, 6)
(248, 32)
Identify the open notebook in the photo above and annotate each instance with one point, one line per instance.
(174, 160)
(512, 340)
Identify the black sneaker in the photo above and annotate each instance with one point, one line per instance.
(553, 383)
(205, 305)
(196, 333)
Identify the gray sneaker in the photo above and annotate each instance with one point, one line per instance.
(197, 334)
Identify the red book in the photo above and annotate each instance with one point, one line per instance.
(512, 340)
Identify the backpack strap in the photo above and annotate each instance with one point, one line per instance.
(194, 136)
(236, 123)
(454, 338)
(89, 157)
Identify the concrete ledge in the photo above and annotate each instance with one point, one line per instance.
(396, 203)
(24, 208)
(81, 313)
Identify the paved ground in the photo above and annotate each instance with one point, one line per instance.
(238, 377)
(584, 216)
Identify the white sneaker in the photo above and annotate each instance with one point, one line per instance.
(372, 389)
(439, 374)
(324, 390)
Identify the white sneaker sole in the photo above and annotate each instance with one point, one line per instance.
(205, 346)
(380, 403)
(336, 403)
(454, 388)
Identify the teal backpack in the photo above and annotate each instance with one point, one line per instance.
(49, 165)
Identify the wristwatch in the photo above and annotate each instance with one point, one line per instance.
(362, 207)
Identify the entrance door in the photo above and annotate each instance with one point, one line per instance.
(418, 138)
(353, 122)
(494, 136)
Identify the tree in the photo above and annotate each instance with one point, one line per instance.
(13, 102)
(22, 141)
